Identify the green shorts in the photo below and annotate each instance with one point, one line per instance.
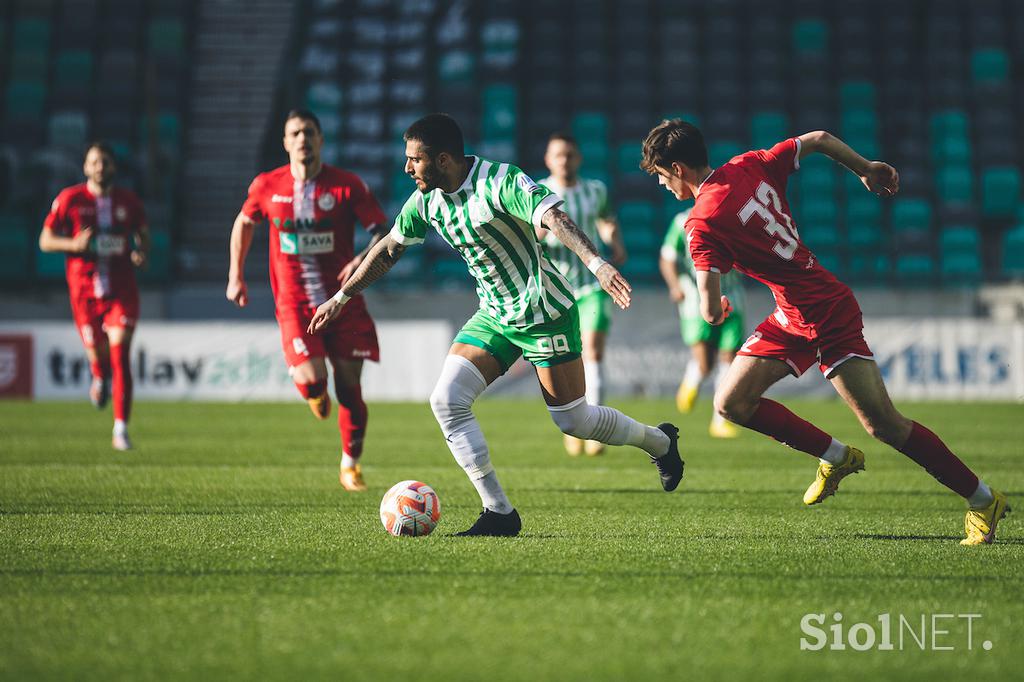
(595, 311)
(728, 336)
(546, 344)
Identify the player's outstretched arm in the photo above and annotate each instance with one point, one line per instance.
(241, 240)
(880, 178)
(714, 307)
(569, 234)
(382, 257)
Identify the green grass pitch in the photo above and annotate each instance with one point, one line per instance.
(223, 548)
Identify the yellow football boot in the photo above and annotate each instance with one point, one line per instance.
(723, 429)
(829, 475)
(686, 396)
(352, 478)
(320, 406)
(573, 445)
(980, 524)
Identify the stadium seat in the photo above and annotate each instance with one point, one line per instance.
(955, 185)
(857, 95)
(16, 245)
(49, 266)
(1013, 251)
(810, 36)
(323, 95)
(819, 209)
(862, 123)
(869, 267)
(73, 67)
(166, 36)
(951, 148)
(990, 65)
(25, 99)
(590, 126)
(830, 258)
(627, 159)
(595, 154)
(1000, 191)
(864, 235)
(960, 254)
(720, 152)
(456, 67)
(914, 267)
(861, 207)
(638, 217)
(31, 35)
(158, 271)
(819, 234)
(69, 129)
(911, 215)
(767, 128)
(500, 110)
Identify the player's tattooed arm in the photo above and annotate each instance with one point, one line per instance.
(570, 234)
(381, 258)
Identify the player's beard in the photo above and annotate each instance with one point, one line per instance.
(431, 178)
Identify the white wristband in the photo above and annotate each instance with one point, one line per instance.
(340, 298)
(595, 264)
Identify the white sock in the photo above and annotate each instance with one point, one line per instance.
(981, 498)
(835, 454)
(120, 427)
(452, 400)
(609, 426)
(593, 372)
(693, 376)
(348, 461)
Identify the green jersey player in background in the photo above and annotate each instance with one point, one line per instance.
(487, 212)
(703, 339)
(585, 201)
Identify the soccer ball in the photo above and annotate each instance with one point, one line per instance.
(410, 508)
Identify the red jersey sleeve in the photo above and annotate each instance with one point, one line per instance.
(780, 161)
(708, 253)
(367, 209)
(253, 206)
(57, 219)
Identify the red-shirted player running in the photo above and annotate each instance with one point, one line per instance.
(103, 231)
(741, 220)
(312, 208)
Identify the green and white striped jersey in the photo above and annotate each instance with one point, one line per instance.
(585, 203)
(490, 221)
(676, 249)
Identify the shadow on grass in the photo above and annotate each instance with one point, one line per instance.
(943, 538)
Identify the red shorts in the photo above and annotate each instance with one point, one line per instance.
(835, 340)
(350, 337)
(94, 315)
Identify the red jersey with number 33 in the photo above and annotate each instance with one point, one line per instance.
(741, 220)
(105, 271)
(311, 229)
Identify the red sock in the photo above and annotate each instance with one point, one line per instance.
(928, 451)
(352, 418)
(121, 373)
(313, 390)
(775, 420)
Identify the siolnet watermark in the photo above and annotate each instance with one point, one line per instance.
(893, 632)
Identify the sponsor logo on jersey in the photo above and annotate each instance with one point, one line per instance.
(326, 202)
(306, 243)
(280, 199)
(121, 213)
(479, 211)
(527, 184)
(110, 244)
(360, 353)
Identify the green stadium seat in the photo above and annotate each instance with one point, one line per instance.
(960, 251)
(955, 185)
(638, 217)
(1013, 251)
(949, 122)
(864, 234)
(16, 244)
(830, 258)
(590, 127)
(816, 179)
(719, 153)
(323, 95)
(166, 36)
(869, 267)
(158, 271)
(820, 235)
(627, 159)
(31, 35)
(810, 36)
(858, 123)
(863, 208)
(951, 148)
(911, 215)
(49, 266)
(25, 99)
(857, 95)
(69, 129)
(73, 67)
(768, 128)
(1000, 191)
(818, 209)
(990, 65)
(500, 110)
(595, 153)
(456, 67)
(915, 267)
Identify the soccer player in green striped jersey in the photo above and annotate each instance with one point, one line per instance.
(487, 212)
(704, 339)
(586, 202)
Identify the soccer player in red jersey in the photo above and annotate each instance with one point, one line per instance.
(312, 208)
(741, 220)
(103, 231)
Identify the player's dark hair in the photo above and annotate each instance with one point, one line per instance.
(674, 141)
(562, 136)
(305, 115)
(104, 148)
(437, 133)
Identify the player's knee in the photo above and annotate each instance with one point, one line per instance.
(573, 419)
(735, 408)
(448, 402)
(891, 429)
